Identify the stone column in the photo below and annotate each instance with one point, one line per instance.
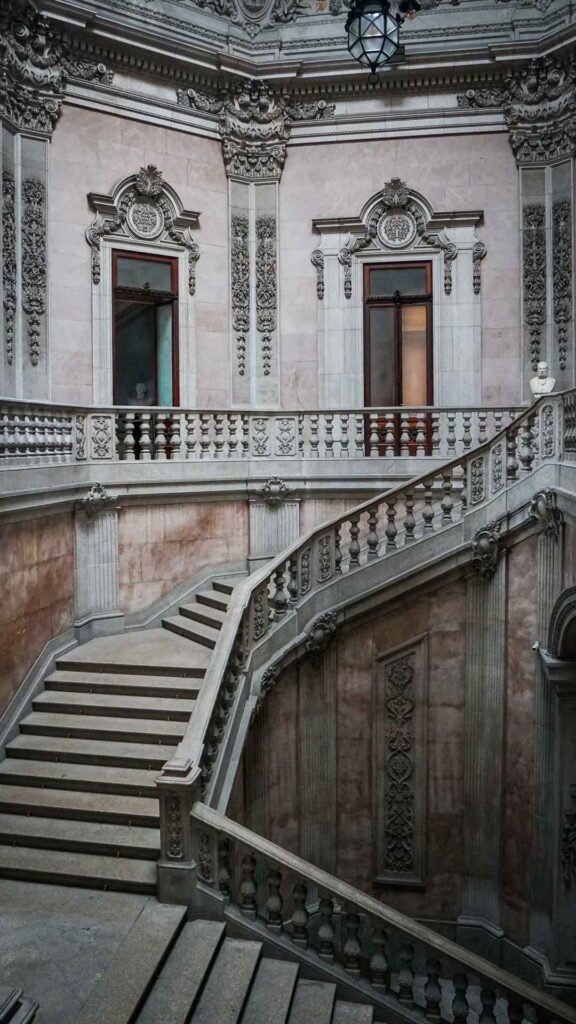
(484, 751)
(96, 566)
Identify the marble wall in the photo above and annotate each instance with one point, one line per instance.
(37, 593)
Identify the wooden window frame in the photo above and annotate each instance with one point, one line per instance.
(142, 296)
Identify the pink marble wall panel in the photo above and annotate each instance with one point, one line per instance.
(36, 593)
(160, 546)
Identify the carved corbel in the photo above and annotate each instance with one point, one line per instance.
(486, 550)
(97, 500)
(267, 683)
(543, 509)
(478, 254)
(317, 260)
(320, 634)
(274, 491)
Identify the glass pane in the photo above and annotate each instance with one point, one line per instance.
(406, 280)
(144, 274)
(414, 375)
(164, 314)
(134, 355)
(382, 383)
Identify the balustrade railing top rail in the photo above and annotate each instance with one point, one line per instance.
(44, 430)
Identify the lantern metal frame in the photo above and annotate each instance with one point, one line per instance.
(373, 28)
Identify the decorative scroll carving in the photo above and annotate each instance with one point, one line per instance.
(254, 131)
(34, 261)
(399, 765)
(9, 264)
(80, 437)
(267, 683)
(102, 437)
(562, 274)
(486, 549)
(325, 557)
(97, 500)
(305, 570)
(240, 286)
(568, 844)
(175, 831)
(477, 489)
(266, 289)
(320, 634)
(497, 460)
(274, 491)
(318, 262)
(146, 208)
(543, 508)
(205, 857)
(534, 276)
(316, 111)
(547, 432)
(260, 614)
(478, 253)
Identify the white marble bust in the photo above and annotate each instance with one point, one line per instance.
(542, 383)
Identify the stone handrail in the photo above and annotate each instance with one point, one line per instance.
(395, 962)
(63, 433)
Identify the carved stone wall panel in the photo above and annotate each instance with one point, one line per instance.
(34, 263)
(9, 262)
(534, 278)
(400, 717)
(317, 759)
(240, 285)
(266, 287)
(562, 274)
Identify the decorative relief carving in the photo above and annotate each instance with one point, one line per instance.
(399, 765)
(285, 436)
(102, 437)
(260, 613)
(254, 131)
(267, 683)
(205, 857)
(175, 831)
(9, 264)
(547, 432)
(325, 558)
(562, 274)
(320, 634)
(214, 103)
(543, 508)
(534, 276)
(568, 844)
(260, 436)
(315, 111)
(478, 253)
(80, 437)
(497, 461)
(97, 500)
(274, 491)
(266, 288)
(486, 550)
(240, 286)
(145, 207)
(477, 489)
(318, 262)
(34, 261)
(305, 570)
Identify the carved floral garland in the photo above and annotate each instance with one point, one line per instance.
(240, 286)
(534, 260)
(34, 261)
(266, 289)
(9, 264)
(562, 275)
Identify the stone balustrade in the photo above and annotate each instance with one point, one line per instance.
(51, 433)
(407, 971)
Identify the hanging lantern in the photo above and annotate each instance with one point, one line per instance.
(373, 28)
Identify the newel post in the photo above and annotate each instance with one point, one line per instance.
(178, 790)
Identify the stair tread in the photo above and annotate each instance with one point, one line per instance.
(271, 993)
(56, 774)
(313, 1001)
(123, 986)
(78, 802)
(48, 721)
(74, 749)
(227, 584)
(115, 703)
(144, 650)
(204, 613)
(122, 873)
(198, 631)
(224, 993)
(214, 599)
(14, 826)
(181, 977)
(118, 681)
(352, 1013)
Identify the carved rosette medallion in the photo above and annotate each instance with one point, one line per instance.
(534, 276)
(240, 277)
(399, 765)
(9, 262)
(145, 220)
(562, 274)
(266, 286)
(397, 230)
(34, 261)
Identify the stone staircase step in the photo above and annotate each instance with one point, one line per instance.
(144, 652)
(352, 1013)
(83, 836)
(213, 599)
(123, 874)
(94, 777)
(148, 756)
(271, 993)
(129, 730)
(196, 631)
(24, 1013)
(175, 687)
(65, 803)
(224, 994)
(114, 704)
(124, 985)
(226, 586)
(9, 999)
(212, 617)
(313, 1001)
(183, 974)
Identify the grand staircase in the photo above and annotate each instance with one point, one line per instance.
(78, 802)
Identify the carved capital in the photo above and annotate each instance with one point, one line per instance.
(320, 634)
(486, 550)
(97, 500)
(274, 491)
(543, 509)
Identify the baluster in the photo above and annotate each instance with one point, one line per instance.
(145, 454)
(373, 540)
(248, 891)
(378, 961)
(451, 433)
(436, 421)
(280, 599)
(460, 1002)
(293, 580)
(409, 520)
(467, 432)
(511, 451)
(464, 492)
(344, 439)
(497, 422)
(374, 436)
(129, 443)
(525, 451)
(359, 438)
(482, 435)
(488, 1000)
(219, 432)
(175, 436)
(190, 435)
(274, 903)
(25, 447)
(432, 990)
(50, 440)
(204, 435)
(354, 547)
(301, 435)
(232, 436)
(326, 930)
(160, 439)
(352, 948)
(404, 433)
(300, 916)
(40, 435)
(69, 435)
(224, 869)
(314, 439)
(447, 504)
(406, 975)
(337, 552)
(421, 436)
(389, 434)
(245, 419)
(329, 424)
(390, 529)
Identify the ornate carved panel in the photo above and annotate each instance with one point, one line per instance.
(534, 276)
(34, 261)
(266, 286)
(240, 278)
(400, 712)
(9, 263)
(562, 275)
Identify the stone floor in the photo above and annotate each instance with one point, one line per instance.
(56, 942)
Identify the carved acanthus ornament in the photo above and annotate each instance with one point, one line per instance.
(543, 508)
(97, 500)
(144, 207)
(9, 261)
(274, 491)
(317, 260)
(266, 285)
(400, 795)
(486, 550)
(240, 259)
(562, 274)
(34, 261)
(534, 276)
(267, 683)
(320, 634)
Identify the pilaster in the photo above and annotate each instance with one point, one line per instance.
(96, 566)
